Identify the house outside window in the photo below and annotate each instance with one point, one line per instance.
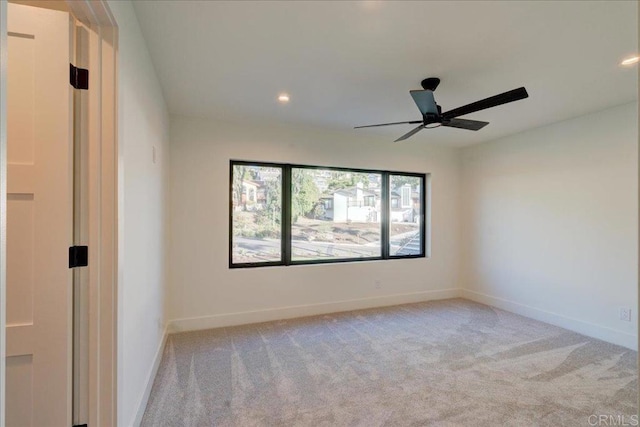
(406, 196)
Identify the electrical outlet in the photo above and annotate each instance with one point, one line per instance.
(625, 314)
(377, 284)
(153, 155)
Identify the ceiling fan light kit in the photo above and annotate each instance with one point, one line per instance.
(432, 113)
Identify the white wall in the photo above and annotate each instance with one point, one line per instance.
(207, 293)
(550, 223)
(143, 124)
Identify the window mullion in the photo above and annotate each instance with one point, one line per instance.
(385, 208)
(286, 214)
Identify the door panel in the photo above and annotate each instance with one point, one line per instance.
(39, 218)
(19, 383)
(20, 207)
(21, 98)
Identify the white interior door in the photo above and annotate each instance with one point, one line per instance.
(39, 219)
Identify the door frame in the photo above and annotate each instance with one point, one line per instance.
(104, 205)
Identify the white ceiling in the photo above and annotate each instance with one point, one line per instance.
(353, 63)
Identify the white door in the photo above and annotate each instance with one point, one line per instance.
(39, 219)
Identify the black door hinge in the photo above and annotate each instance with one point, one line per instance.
(80, 425)
(78, 77)
(78, 256)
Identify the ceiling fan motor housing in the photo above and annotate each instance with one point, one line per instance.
(430, 118)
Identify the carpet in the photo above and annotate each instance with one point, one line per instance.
(443, 363)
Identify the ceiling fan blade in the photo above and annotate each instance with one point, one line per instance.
(425, 101)
(465, 124)
(493, 101)
(410, 133)
(390, 124)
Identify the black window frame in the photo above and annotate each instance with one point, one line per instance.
(285, 220)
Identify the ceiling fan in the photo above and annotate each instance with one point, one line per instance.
(432, 112)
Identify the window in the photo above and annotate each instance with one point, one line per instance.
(405, 230)
(351, 229)
(291, 214)
(256, 222)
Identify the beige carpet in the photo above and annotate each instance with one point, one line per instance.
(444, 363)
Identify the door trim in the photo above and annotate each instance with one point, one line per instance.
(103, 206)
(3, 204)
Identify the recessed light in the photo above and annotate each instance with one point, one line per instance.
(630, 60)
(283, 98)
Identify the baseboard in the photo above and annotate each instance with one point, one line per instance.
(247, 317)
(614, 336)
(151, 376)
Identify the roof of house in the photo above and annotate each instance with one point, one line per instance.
(352, 192)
